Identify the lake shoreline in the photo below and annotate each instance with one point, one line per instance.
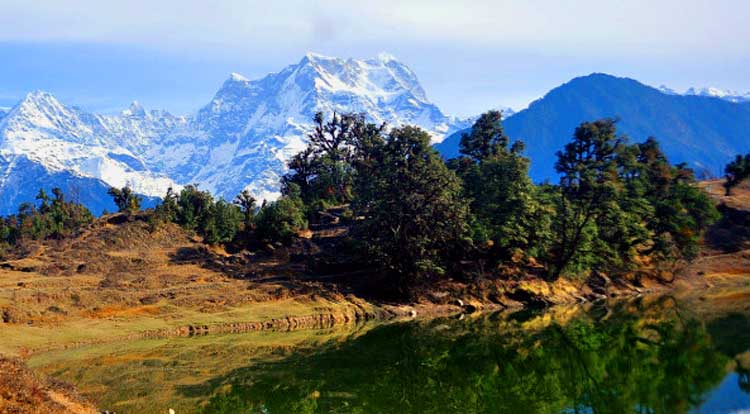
(318, 310)
(723, 294)
(353, 312)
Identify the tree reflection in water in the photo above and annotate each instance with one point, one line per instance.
(618, 364)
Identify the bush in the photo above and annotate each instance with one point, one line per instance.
(216, 221)
(193, 208)
(223, 222)
(281, 220)
(415, 218)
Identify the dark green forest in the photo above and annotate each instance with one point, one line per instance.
(619, 206)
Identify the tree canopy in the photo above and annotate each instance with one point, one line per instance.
(414, 216)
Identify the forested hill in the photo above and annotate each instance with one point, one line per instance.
(703, 131)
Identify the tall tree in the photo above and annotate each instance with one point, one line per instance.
(487, 137)
(623, 206)
(324, 170)
(222, 223)
(247, 204)
(588, 190)
(681, 210)
(496, 180)
(415, 217)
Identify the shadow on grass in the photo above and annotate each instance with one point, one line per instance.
(732, 232)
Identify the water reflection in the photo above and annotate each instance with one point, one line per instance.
(619, 364)
(626, 358)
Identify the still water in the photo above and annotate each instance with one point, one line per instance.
(658, 355)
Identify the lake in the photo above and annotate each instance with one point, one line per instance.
(647, 355)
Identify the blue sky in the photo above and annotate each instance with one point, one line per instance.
(469, 55)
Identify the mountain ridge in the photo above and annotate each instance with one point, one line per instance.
(682, 124)
(240, 140)
(243, 136)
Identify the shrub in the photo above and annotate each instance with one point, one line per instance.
(281, 220)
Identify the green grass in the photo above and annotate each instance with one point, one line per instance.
(16, 338)
(151, 376)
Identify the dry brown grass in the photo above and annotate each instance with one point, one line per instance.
(739, 198)
(120, 278)
(123, 311)
(25, 392)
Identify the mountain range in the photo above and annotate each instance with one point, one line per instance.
(242, 138)
(239, 140)
(702, 131)
(727, 95)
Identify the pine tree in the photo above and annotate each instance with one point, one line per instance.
(495, 178)
(588, 191)
(222, 223)
(487, 137)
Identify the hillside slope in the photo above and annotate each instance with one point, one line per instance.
(704, 132)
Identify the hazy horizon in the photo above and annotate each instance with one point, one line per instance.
(174, 55)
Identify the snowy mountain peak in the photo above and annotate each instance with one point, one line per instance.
(236, 77)
(710, 92)
(728, 95)
(135, 110)
(40, 114)
(381, 79)
(258, 124)
(707, 91)
(240, 140)
(667, 90)
(43, 142)
(312, 56)
(39, 101)
(386, 57)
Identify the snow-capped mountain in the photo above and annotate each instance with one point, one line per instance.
(250, 128)
(40, 138)
(667, 90)
(727, 95)
(711, 92)
(241, 139)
